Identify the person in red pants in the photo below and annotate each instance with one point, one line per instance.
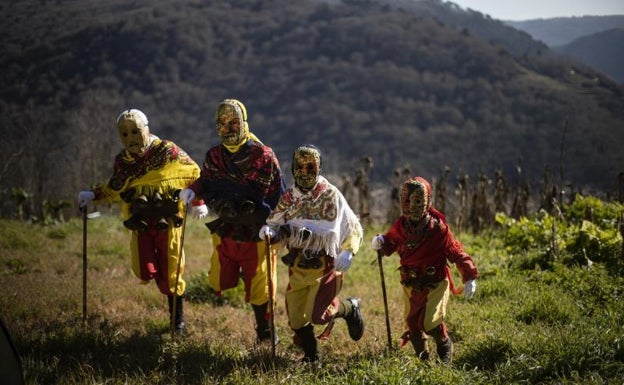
(424, 243)
(241, 182)
(148, 175)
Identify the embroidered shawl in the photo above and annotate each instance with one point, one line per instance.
(325, 213)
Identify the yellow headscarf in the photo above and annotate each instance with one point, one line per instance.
(245, 134)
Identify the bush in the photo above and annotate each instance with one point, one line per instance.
(587, 231)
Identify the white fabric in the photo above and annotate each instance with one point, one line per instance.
(200, 212)
(328, 229)
(187, 195)
(266, 231)
(377, 242)
(469, 288)
(84, 198)
(343, 261)
(134, 112)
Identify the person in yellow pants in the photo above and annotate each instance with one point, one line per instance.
(241, 181)
(424, 242)
(148, 175)
(322, 234)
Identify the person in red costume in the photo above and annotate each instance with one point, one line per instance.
(241, 181)
(148, 174)
(422, 238)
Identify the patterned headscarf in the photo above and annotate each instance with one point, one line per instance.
(306, 166)
(232, 126)
(415, 198)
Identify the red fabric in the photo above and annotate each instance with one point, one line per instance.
(236, 258)
(433, 246)
(156, 157)
(153, 257)
(255, 164)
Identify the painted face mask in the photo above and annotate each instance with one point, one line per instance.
(231, 122)
(415, 198)
(306, 167)
(133, 131)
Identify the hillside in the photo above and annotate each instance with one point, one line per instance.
(560, 31)
(592, 40)
(416, 83)
(603, 51)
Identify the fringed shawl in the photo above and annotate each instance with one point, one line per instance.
(325, 213)
(163, 168)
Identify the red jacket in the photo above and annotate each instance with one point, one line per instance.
(430, 244)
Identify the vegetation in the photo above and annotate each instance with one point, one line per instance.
(548, 310)
(597, 51)
(416, 82)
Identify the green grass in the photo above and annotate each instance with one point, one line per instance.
(561, 325)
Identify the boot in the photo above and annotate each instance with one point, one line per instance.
(308, 343)
(444, 345)
(263, 329)
(178, 317)
(350, 311)
(419, 342)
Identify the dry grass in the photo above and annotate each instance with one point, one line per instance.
(126, 338)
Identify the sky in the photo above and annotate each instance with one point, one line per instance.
(543, 9)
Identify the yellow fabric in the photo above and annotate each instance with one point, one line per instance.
(303, 286)
(437, 301)
(164, 174)
(172, 175)
(175, 236)
(214, 273)
(258, 291)
(246, 136)
(352, 242)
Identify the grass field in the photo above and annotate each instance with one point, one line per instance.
(562, 325)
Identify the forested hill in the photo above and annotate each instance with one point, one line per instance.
(405, 82)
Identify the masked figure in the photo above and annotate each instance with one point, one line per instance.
(241, 182)
(424, 242)
(148, 175)
(322, 234)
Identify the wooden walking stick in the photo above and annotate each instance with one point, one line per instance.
(385, 298)
(84, 264)
(174, 305)
(269, 261)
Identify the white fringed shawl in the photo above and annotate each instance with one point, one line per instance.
(324, 212)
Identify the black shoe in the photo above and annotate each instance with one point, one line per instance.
(309, 344)
(355, 322)
(445, 350)
(313, 359)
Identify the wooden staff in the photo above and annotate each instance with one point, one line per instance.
(385, 298)
(177, 280)
(84, 265)
(269, 261)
